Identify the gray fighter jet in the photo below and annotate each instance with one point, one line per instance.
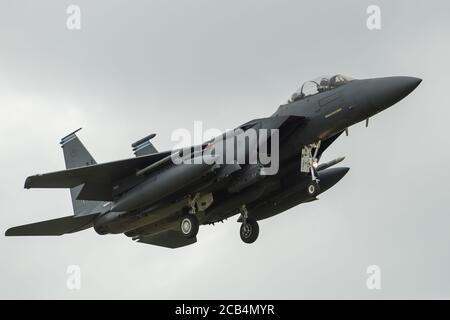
(155, 200)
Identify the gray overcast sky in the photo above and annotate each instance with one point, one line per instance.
(155, 66)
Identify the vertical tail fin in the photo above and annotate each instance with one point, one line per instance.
(76, 155)
(144, 147)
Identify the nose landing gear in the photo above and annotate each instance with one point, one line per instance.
(313, 188)
(308, 165)
(249, 228)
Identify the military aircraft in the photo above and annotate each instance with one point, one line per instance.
(155, 200)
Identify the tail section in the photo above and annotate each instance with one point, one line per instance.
(76, 155)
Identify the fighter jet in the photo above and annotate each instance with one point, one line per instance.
(155, 200)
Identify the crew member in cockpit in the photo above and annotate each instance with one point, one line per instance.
(323, 85)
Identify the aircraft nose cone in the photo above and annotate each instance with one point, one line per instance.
(385, 92)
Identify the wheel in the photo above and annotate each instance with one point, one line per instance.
(249, 231)
(189, 226)
(312, 188)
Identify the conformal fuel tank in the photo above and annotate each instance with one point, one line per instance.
(160, 184)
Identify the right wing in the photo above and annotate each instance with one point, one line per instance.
(168, 239)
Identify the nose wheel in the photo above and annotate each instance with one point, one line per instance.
(313, 188)
(249, 230)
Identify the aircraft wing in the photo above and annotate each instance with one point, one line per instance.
(168, 239)
(98, 179)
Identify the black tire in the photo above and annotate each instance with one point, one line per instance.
(189, 226)
(249, 231)
(312, 188)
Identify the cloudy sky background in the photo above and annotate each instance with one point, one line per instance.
(155, 66)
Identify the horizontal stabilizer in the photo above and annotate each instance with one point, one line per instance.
(54, 227)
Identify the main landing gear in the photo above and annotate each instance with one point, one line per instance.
(249, 228)
(308, 165)
(189, 226)
(189, 222)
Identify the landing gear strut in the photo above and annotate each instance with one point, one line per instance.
(249, 228)
(308, 165)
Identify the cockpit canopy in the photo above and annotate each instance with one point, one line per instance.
(319, 85)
